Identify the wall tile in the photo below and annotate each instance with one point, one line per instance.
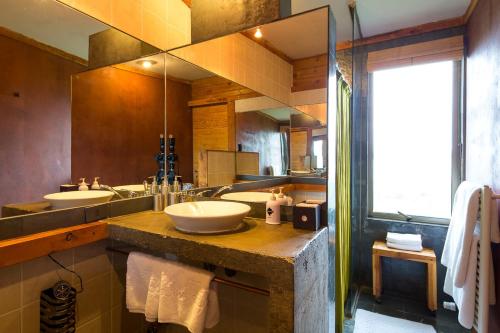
(10, 288)
(31, 317)
(42, 273)
(101, 324)
(92, 260)
(11, 322)
(95, 299)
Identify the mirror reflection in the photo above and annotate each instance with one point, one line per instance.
(68, 112)
(271, 89)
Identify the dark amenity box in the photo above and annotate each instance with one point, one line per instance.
(307, 215)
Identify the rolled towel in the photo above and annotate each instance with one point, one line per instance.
(404, 239)
(415, 248)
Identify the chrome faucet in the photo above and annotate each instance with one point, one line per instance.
(109, 188)
(223, 188)
(200, 194)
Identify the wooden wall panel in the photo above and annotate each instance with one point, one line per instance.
(117, 117)
(212, 130)
(35, 123)
(216, 87)
(310, 73)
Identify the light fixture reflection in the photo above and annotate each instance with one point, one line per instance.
(258, 33)
(146, 63)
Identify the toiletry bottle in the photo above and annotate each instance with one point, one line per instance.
(83, 186)
(95, 184)
(164, 192)
(154, 186)
(282, 197)
(272, 210)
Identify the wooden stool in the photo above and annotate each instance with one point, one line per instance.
(427, 256)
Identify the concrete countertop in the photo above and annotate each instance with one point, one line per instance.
(293, 261)
(256, 237)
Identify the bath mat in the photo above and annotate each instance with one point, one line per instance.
(370, 322)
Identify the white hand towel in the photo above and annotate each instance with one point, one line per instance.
(186, 297)
(404, 239)
(464, 296)
(458, 244)
(143, 284)
(170, 292)
(415, 248)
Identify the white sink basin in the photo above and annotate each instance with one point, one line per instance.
(247, 196)
(207, 217)
(77, 198)
(137, 188)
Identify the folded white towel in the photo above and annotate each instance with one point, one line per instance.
(184, 297)
(143, 284)
(458, 244)
(170, 292)
(404, 239)
(415, 248)
(464, 296)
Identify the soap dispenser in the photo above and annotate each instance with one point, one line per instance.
(95, 184)
(282, 197)
(83, 186)
(272, 210)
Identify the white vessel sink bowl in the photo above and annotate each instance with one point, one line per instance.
(137, 188)
(207, 217)
(247, 196)
(77, 198)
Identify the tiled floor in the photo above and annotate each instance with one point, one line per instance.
(444, 321)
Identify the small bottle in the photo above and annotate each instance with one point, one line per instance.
(272, 210)
(154, 186)
(83, 186)
(281, 197)
(95, 184)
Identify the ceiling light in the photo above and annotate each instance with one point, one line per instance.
(146, 63)
(258, 33)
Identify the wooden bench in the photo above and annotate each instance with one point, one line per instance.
(426, 256)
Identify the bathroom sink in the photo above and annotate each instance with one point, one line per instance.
(77, 198)
(207, 217)
(247, 196)
(137, 188)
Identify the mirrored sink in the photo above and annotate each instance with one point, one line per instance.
(247, 196)
(208, 217)
(77, 198)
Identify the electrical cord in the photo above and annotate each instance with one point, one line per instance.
(69, 270)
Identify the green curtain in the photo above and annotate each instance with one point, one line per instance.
(343, 200)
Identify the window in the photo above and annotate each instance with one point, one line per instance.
(414, 160)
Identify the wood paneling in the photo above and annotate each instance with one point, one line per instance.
(483, 111)
(406, 32)
(310, 73)
(213, 129)
(117, 118)
(298, 149)
(37, 245)
(179, 124)
(437, 50)
(35, 125)
(216, 89)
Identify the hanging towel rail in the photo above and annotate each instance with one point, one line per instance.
(226, 282)
(481, 308)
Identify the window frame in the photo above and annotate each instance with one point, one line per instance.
(458, 148)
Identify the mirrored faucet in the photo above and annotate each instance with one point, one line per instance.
(223, 188)
(109, 188)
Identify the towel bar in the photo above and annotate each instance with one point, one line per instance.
(230, 283)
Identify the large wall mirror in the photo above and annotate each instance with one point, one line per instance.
(77, 99)
(253, 103)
